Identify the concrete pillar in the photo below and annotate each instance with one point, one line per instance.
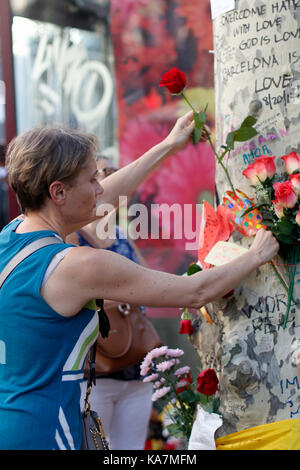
(257, 71)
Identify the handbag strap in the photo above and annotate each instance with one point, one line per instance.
(24, 253)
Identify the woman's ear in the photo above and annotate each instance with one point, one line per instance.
(57, 191)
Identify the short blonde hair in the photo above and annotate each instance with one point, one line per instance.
(40, 156)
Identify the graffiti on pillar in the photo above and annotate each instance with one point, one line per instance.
(257, 72)
(256, 53)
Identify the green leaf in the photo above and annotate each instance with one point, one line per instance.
(256, 206)
(268, 223)
(175, 431)
(249, 121)
(288, 240)
(245, 133)
(230, 140)
(193, 268)
(285, 226)
(188, 396)
(216, 404)
(199, 119)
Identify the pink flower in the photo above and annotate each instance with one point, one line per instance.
(295, 179)
(157, 384)
(182, 371)
(285, 194)
(260, 170)
(157, 352)
(144, 368)
(150, 378)
(160, 393)
(175, 352)
(298, 216)
(250, 173)
(165, 365)
(154, 353)
(265, 165)
(278, 209)
(292, 162)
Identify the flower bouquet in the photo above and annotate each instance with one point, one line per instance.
(175, 388)
(277, 197)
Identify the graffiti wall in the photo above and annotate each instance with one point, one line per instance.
(149, 38)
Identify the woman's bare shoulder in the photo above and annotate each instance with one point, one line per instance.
(65, 290)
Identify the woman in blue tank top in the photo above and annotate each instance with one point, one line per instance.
(119, 395)
(47, 317)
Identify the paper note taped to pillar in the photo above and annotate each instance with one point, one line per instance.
(224, 252)
(218, 7)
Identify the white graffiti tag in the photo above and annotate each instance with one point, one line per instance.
(63, 70)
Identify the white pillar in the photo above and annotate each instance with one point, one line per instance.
(257, 70)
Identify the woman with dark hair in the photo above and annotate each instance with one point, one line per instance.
(47, 317)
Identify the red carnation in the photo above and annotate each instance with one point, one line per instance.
(183, 383)
(207, 382)
(174, 80)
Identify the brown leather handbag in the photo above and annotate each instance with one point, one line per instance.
(130, 338)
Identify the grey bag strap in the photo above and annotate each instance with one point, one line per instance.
(24, 253)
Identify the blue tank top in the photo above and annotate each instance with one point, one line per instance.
(42, 354)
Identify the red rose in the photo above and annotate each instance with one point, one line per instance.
(207, 382)
(174, 80)
(186, 327)
(285, 194)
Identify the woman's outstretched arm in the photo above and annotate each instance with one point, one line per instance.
(88, 273)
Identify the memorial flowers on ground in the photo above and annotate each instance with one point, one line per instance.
(277, 197)
(175, 388)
